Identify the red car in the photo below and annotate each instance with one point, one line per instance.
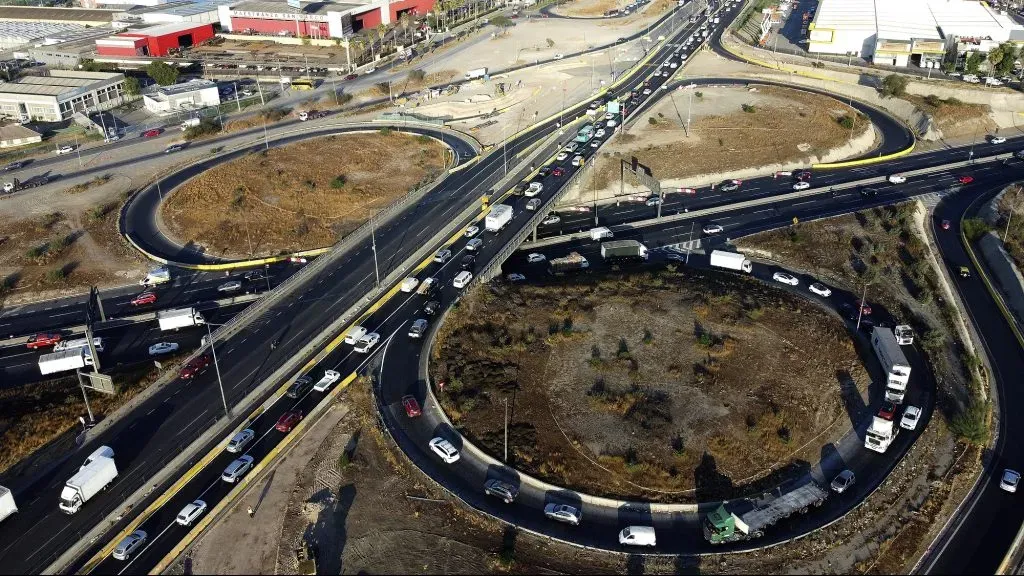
(865, 308)
(803, 176)
(44, 340)
(288, 420)
(965, 179)
(143, 299)
(412, 407)
(195, 366)
(887, 411)
(351, 76)
(690, 191)
(152, 133)
(557, 171)
(945, 224)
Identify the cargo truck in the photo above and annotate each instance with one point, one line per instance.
(731, 261)
(880, 434)
(894, 363)
(748, 518)
(499, 217)
(600, 233)
(476, 73)
(571, 263)
(585, 134)
(156, 276)
(7, 506)
(16, 185)
(190, 123)
(65, 360)
(179, 318)
(623, 250)
(93, 477)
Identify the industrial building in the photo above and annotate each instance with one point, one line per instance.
(908, 32)
(79, 16)
(191, 95)
(196, 11)
(159, 40)
(59, 95)
(13, 135)
(315, 19)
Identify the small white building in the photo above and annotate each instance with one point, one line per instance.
(60, 94)
(191, 95)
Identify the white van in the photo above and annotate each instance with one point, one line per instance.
(355, 334)
(78, 343)
(410, 284)
(637, 536)
(462, 279)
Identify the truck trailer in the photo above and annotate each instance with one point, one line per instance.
(731, 261)
(880, 434)
(894, 363)
(623, 250)
(96, 474)
(571, 263)
(179, 318)
(600, 233)
(16, 185)
(65, 360)
(7, 506)
(748, 518)
(190, 123)
(476, 73)
(498, 217)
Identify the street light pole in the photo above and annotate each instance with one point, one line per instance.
(216, 368)
(860, 307)
(373, 243)
(1010, 217)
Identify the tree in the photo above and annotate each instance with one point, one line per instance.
(132, 87)
(382, 31)
(1002, 58)
(502, 22)
(405, 21)
(974, 60)
(162, 73)
(894, 86)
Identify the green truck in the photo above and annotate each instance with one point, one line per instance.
(748, 518)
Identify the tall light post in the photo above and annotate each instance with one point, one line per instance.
(216, 368)
(373, 245)
(1013, 205)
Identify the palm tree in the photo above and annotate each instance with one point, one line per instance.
(382, 30)
(404, 21)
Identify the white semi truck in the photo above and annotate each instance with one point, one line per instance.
(618, 250)
(880, 434)
(894, 363)
(96, 474)
(499, 217)
(65, 360)
(7, 506)
(731, 261)
(179, 318)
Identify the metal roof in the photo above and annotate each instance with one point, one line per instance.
(32, 13)
(907, 19)
(164, 29)
(59, 82)
(283, 8)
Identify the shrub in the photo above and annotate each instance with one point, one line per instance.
(705, 340)
(385, 131)
(206, 127)
(894, 86)
(652, 120)
(55, 275)
(623, 348)
(339, 182)
(975, 228)
(933, 100)
(383, 88)
(970, 424)
(749, 108)
(698, 94)
(953, 101)
(846, 122)
(648, 337)
(550, 42)
(417, 75)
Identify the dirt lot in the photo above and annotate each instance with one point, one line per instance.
(954, 118)
(624, 386)
(777, 127)
(291, 198)
(593, 8)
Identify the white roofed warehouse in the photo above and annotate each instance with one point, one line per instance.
(908, 32)
(60, 95)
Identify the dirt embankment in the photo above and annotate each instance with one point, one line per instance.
(305, 195)
(951, 118)
(648, 385)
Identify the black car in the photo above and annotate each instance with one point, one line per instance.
(503, 490)
(468, 262)
(543, 172)
(299, 388)
(254, 275)
(14, 165)
(520, 188)
(431, 308)
(868, 192)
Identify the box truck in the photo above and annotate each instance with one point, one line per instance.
(476, 73)
(499, 216)
(623, 250)
(894, 363)
(731, 261)
(65, 360)
(190, 123)
(571, 263)
(600, 233)
(7, 506)
(748, 518)
(179, 318)
(156, 276)
(880, 434)
(95, 475)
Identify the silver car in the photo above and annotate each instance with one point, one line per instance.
(237, 469)
(190, 512)
(240, 440)
(129, 545)
(230, 286)
(563, 513)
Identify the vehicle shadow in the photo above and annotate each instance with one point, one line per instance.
(853, 401)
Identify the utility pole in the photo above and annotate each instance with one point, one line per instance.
(1013, 205)
(260, 88)
(373, 244)
(85, 396)
(216, 368)
(506, 429)
(266, 137)
(237, 103)
(860, 307)
(689, 244)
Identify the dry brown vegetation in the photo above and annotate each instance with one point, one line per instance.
(955, 118)
(305, 195)
(649, 385)
(784, 126)
(1012, 203)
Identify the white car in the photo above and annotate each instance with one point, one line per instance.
(534, 189)
(996, 140)
(163, 348)
(897, 178)
(600, 133)
(409, 284)
(190, 512)
(609, 116)
(820, 289)
(559, 56)
(474, 244)
(536, 258)
(910, 417)
(611, 123)
(646, 92)
(366, 343)
(1009, 480)
(513, 277)
(472, 231)
(442, 256)
(355, 334)
(562, 156)
(445, 450)
(563, 513)
(713, 229)
(785, 278)
(237, 469)
(330, 377)
(595, 143)
(801, 186)
(65, 150)
(231, 286)
(462, 279)
(551, 219)
(129, 544)
(240, 440)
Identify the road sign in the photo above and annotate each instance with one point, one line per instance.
(101, 383)
(613, 107)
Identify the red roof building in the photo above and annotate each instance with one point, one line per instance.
(154, 41)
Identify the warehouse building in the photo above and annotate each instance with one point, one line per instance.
(58, 96)
(79, 16)
(315, 19)
(156, 41)
(195, 11)
(188, 96)
(906, 32)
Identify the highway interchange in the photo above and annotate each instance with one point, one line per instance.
(143, 443)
